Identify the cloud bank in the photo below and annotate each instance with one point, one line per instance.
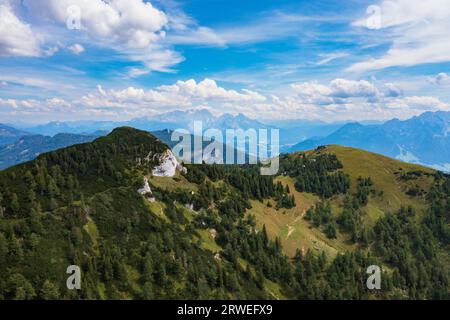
(340, 99)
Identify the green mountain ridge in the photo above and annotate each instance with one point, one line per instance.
(221, 231)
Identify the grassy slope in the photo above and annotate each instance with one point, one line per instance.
(383, 171)
(173, 183)
(294, 231)
(297, 233)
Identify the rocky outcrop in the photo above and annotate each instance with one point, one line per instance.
(168, 165)
(146, 191)
(146, 188)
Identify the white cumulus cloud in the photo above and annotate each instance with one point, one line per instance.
(343, 88)
(208, 89)
(182, 94)
(133, 23)
(16, 36)
(339, 99)
(441, 79)
(135, 29)
(76, 48)
(417, 31)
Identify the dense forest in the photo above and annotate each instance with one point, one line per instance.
(80, 206)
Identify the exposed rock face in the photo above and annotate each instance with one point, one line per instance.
(168, 165)
(146, 191)
(146, 188)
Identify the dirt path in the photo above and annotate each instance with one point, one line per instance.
(290, 230)
(303, 213)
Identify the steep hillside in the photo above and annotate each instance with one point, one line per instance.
(220, 231)
(84, 205)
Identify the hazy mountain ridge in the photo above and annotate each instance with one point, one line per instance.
(171, 120)
(422, 139)
(291, 132)
(30, 146)
(10, 134)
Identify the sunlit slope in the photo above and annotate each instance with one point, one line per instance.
(391, 180)
(291, 227)
(386, 174)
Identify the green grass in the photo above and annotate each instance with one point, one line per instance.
(292, 229)
(173, 183)
(372, 214)
(297, 233)
(101, 290)
(91, 229)
(157, 208)
(207, 241)
(274, 290)
(382, 170)
(133, 277)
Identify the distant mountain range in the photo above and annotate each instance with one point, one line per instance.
(423, 139)
(28, 147)
(294, 131)
(170, 120)
(9, 134)
(291, 131)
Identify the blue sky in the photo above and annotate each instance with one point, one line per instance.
(327, 60)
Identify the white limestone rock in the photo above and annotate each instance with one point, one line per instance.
(146, 188)
(168, 165)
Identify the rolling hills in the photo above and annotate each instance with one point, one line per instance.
(221, 231)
